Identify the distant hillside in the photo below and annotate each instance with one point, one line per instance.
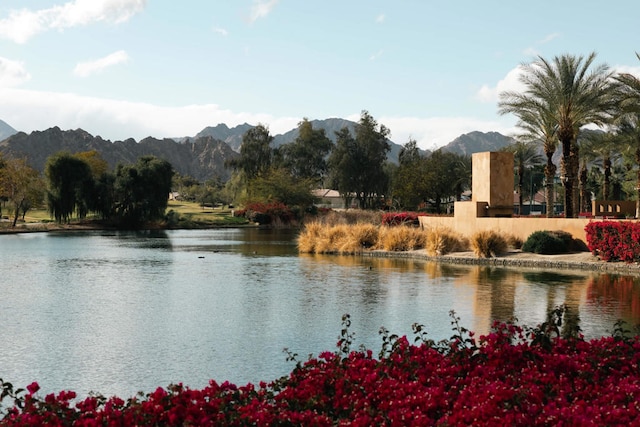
(6, 131)
(477, 142)
(230, 136)
(202, 159)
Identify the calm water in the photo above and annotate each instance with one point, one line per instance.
(121, 312)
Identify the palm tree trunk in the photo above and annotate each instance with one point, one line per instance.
(585, 200)
(606, 186)
(567, 179)
(575, 173)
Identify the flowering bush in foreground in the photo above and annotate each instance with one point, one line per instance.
(512, 376)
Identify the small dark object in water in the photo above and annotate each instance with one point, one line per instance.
(200, 257)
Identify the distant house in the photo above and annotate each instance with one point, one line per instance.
(328, 198)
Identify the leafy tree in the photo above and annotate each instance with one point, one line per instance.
(141, 190)
(566, 94)
(69, 186)
(357, 163)
(407, 177)
(439, 183)
(21, 185)
(256, 154)
(277, 185)
(305, 157)
(97, 164)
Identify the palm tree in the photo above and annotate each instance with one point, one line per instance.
(567, 92)
(538, 124)
(628, 119)
(604, 148)
(525, 155)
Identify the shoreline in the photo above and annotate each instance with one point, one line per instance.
(583, 261)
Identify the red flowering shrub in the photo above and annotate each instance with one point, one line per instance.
(614, 240)
(514, 376)
(401, 218)
(268, 213)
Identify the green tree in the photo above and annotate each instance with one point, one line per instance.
(408, 176)
(142, 191)
(439, 183)
(357, 162)
(21, 185)
(69, 186)
(278, 185)
(570, 94)
(305, 157)
(525, 156)
(256, 153)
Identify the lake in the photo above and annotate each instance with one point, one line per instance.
(121, 312)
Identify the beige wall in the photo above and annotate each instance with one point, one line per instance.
(466, 222)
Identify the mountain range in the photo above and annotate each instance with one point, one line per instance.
(202, 156)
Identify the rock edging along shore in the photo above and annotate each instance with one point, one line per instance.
(518, 260)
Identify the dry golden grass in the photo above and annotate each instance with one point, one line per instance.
(488, 243)
(442, 240)
(359, 237)
(401, 238)
(513, 241)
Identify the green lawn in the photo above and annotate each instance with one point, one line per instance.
(193, 214)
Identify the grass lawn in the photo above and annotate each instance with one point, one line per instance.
(189, 215)
(193, 215)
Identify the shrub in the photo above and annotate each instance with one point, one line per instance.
(401, 238)
(514, 241)
(614, 240)
(442, 240)
(545, 242)
(488, 243)
(400, 218)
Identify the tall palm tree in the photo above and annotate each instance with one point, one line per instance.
(525, 156)
(628, 119)
(538, 124)
(566, 91)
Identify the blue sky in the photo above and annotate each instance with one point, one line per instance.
(426, 70)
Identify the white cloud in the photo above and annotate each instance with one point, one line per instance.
(221, 31)
(23, 24)
(85, 69)
(261, 8)
(376, 55)
(12, 73)
(626, 69)
(511, 82)
(27, 111)
(434, 132)
(380, 18)
(549, 38)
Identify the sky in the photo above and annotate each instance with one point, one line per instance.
(428, 71)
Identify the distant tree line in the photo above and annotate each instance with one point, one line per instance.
(356, 166)
(76, 185)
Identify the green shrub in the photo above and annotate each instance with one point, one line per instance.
(546, 242)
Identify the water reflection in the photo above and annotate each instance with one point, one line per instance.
(122, 312)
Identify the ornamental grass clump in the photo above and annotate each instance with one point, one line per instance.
(442, 240)
(359, 237)
(488, 243)
(401, 238)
